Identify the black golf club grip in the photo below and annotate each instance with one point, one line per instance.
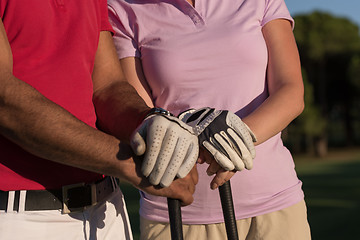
(175, 219)
(228, 211)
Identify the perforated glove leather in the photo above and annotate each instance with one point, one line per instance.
(224, 135)
(170, 146)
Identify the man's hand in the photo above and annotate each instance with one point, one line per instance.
(229, 140)
(170, 146)
(181, 188)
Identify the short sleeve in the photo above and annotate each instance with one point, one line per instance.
(2, 8)
(104, 20)
(125, 44)
(276, 9)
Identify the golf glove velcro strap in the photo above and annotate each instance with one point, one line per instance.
(224, 135)
(170, 146)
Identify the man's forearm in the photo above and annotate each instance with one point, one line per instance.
(46, 130)
(119, 109)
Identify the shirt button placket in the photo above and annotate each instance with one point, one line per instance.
(194, 16)
(197, 20)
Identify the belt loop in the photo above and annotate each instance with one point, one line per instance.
(22, 200)
(113, 183)
(93, 194)
(10, 205)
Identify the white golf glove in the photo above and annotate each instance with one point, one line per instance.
(224, 135)
(171, 148)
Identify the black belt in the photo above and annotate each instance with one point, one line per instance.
(70, 198)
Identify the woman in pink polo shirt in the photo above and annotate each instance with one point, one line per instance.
(239, 56)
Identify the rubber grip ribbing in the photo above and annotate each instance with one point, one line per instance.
(175, 219)
(228, 211)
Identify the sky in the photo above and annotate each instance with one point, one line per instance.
(342, 8)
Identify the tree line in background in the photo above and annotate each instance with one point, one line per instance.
(329, 49)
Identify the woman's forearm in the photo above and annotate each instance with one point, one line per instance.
(276, 112)
(285, 85)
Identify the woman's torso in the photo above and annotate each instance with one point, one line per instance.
(210, 55)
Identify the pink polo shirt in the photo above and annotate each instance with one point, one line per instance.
(214, 55)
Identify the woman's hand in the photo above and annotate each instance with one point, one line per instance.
(221, 175)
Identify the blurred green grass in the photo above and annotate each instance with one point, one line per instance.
(332, 193)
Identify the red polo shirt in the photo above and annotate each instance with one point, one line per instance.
(53, 45)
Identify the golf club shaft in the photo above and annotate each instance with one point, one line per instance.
(175, 219)
(228, 211)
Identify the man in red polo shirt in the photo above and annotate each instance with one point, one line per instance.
(59, 77)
